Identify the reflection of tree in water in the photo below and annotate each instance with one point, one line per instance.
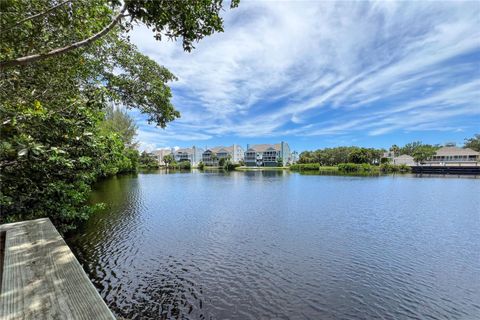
(109, 248)
(120, 196)
(256, 174)
(109, 235)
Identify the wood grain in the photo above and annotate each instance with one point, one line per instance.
(42, 279)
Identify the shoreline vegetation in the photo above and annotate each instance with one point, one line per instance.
(363, 168)
(64, 90)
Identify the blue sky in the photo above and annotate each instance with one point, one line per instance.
(322, 74)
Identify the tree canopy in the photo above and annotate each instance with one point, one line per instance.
(117, 120)
(334, 156)
(64, 64)
(473, 143)
(54, 28)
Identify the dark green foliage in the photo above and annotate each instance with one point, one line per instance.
(229, 166)
(148, 161)
(58, 134)
(417, 147)
(183, 165)
(356, 168)
(49, 30)
(334, 156)
(410, 148)
(55, 143)
(120, 122)
(168, 159)
(214, 158)
(473, 143)
(424, 152)
(201, 165)
(384, 160)
(49, 158)
(395, 149)
(226, 164)
(141, 85)
(359, 155)
(189, 20)
(392, 168)
(221, 162)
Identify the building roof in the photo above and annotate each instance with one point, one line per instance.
(162, 152)
(404, 157)
(222, 149)
(456, 151)
(185, 150)
(265, 147)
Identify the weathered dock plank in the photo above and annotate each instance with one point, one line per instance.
(42, 279)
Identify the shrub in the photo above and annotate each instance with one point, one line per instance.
(148, 161)
(392, 168)
(356, 168)
(231, 166)
(384, 160)
(183, 165)
(348, 167)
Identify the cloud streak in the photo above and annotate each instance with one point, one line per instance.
(306, 69)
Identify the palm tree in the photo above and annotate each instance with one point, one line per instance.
(213, 158)
(395, 150)
(168, 159)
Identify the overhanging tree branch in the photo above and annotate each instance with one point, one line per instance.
(55, 52)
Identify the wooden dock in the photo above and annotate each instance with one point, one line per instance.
(41, 277)
(451, 170)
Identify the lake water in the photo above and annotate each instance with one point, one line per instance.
(280, 245)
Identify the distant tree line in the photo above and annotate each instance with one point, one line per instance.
(358, 155)
(335, 156)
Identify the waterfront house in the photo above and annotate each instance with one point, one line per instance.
(454, 155)
(268, 155)
(212, 156)
(161, 153)
(193, 155)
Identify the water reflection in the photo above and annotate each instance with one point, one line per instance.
(274, 244)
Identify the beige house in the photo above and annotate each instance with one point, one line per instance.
(212, 156)
(455, 155)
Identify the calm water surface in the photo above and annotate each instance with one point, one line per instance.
(275, 245)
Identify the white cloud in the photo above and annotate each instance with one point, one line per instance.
(323, 68)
